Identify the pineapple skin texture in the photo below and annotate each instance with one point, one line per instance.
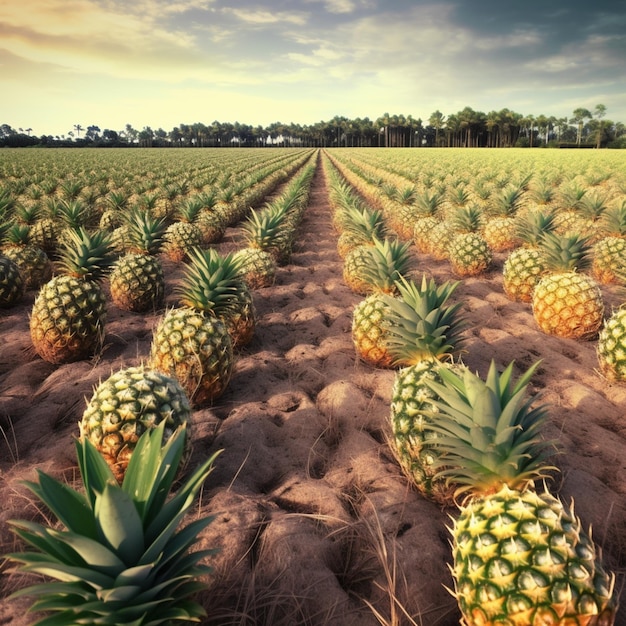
(11, 283)
(608, 255)
(469, 254)
(569, 305)
(137, 283)
(611, 346)
(33, 263)
(258, 267)
(414, 441)
(67, 319)
(369, 322)
(522, 558)
(197, 350)
(521, 272)
(127, 404)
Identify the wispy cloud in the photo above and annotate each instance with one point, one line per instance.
(261, 17)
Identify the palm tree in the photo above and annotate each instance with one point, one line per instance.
(436, 120)
(579, 117)
(78, 128)
(599, 112)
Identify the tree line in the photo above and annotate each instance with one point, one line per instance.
(466, 128)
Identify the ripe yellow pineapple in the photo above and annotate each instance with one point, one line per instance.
(520, 555)
(69, 313)
(566, 302)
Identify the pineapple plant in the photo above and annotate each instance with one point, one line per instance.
(34, 265)
(566, 302)
(376, 267)
(427, 217)
(183, 234)
(520, 555)
(524, 266)
(389, 261)
(212, 283)
(117, 554)
(137, 281)
(611, 347)
(127, 404)
(425, 332)
(469, 254)
(11, 283)
(195, 348)
(608, 256)
(69, 312)
(500, 232)
(359, 226)
(257, 267)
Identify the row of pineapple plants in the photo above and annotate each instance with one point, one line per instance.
(520, 555)
(125, 562)
(549, 262)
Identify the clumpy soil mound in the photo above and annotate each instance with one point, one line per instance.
(314, 521)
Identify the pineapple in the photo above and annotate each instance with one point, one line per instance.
(520, 556)
(34, 265)
(389, 260)
(469, 254)
(426, 219)
(213, 284)
(500, 232)
(11, 283)
(439, 239)
(184, 234)
(267, 230)
(195, 348)
(137, 281)
(210, 222)
(116, 555)
(524, 266)
(375, 267)
(611, 347)
(370, 323)
(69, 313)
(127, 404)
(257, 267)
(565, 302)
(360, 226)
(608, 255)
(424, 331)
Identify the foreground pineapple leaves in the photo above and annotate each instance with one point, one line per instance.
(119, 559)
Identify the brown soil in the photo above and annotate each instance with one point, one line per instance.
(314, 520)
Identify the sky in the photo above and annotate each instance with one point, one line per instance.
(162, 63)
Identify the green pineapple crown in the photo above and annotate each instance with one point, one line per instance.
(429, 203)
(390, 261)
(15, 234)
(422, 323)
(489, 431)
(211, 282)
(532, 226)
(614, 220)
(566, 252)
(73, 212)
(145, 232)
(262, 229)
(467, 219)
(120, 558)
(508, 202)
(86, 255)
(190, 209)
(364, 224)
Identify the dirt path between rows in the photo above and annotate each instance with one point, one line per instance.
(314, 521)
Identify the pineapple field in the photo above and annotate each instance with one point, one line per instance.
(382, 386)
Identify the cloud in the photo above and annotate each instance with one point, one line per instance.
(260, 17)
